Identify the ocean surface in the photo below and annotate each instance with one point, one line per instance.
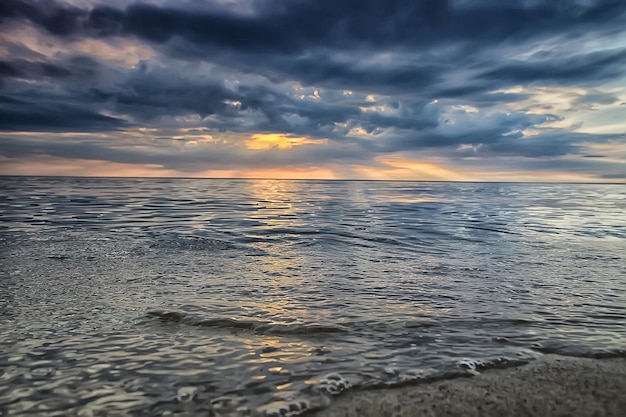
(183, 297)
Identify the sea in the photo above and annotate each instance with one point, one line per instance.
(229, 297)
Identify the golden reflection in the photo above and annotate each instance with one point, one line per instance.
(280, 208)
(276, 202)
(264, 141)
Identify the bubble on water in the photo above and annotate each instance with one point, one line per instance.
(470, 365)
(186, 394)
(391, 371)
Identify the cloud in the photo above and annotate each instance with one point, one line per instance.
(354, 81)
(594, 67)
(20, 115)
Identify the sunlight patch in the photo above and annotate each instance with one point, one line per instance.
(263, 141)
(398, 167)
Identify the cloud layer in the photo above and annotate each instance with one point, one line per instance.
(476, 86)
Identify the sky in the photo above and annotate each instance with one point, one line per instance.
(455, 90)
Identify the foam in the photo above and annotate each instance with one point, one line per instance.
(333, 384)
(470, 365)
(286, 408)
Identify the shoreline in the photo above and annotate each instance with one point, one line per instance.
(552, 385)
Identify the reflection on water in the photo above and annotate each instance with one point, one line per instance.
(235, 297)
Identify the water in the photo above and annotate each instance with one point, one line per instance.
(179, 297)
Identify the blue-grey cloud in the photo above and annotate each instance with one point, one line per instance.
(372, 77)
(22, 115)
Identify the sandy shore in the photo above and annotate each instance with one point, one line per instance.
(552, 386)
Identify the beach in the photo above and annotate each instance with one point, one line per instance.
(551, 386)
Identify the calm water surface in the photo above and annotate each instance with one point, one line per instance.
(159, 297)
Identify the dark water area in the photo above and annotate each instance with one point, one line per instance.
(181, 297)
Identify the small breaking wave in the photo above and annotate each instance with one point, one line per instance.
(174, 241)
(259, 327)
(579, 351)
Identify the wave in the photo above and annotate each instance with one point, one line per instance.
(266, 327)
(170, 241)
(577, 352)
(252, 325)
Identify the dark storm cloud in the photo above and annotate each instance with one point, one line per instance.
(288, 34)
(56, 18)
(28, 69)
(21, 115)
(502, 132)
(322, 69)
(150, 94)
(300, 40)
(299, 26)
(410, 53)
(72, 69)
(597, 66)
(8, 70)
(293, 26)
(147, 96)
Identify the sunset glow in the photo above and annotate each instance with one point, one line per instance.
(279, 141)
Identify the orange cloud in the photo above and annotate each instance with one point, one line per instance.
(263, 141)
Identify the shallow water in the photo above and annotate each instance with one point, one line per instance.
(148, 297)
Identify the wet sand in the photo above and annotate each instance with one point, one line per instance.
(551, 386)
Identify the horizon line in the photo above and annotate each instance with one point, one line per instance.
(314, 179)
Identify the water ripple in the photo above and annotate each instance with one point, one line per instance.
(147, 297)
